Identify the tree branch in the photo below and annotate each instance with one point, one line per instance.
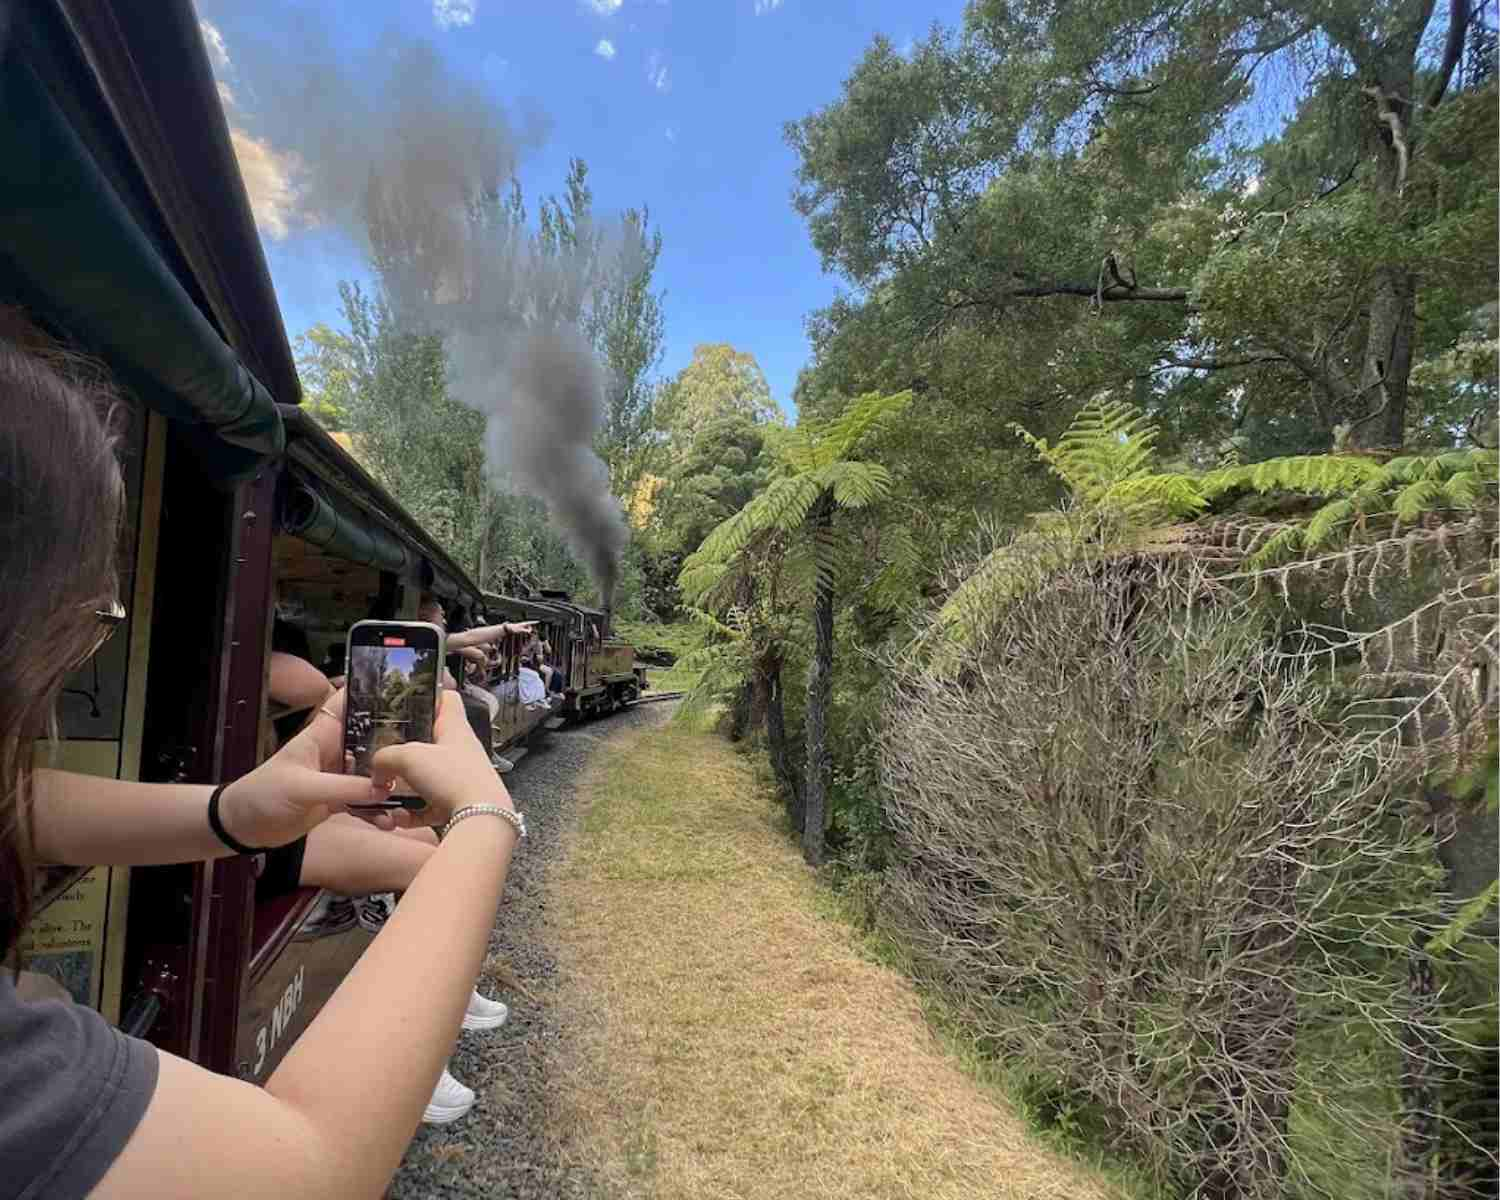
(1390, 119)
(1173, 363)
(1453, 49)
(1114, 292)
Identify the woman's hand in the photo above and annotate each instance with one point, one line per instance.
(449, 772)
(299, 786)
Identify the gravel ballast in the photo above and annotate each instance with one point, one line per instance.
(504, 1148)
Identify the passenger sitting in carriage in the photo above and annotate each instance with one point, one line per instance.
(533, 692)
(460, 642)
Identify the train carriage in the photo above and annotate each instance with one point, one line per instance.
(600, 671)
(126, 234)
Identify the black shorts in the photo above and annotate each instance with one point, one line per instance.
(283, 870)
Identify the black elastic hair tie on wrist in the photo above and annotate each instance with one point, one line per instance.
(217, 825)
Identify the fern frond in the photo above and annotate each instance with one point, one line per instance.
(1107, 443)
(1416, 498)
(1323, 523)
(1277, 548)
(781, 507)
(1463, 489)
(1313, 474)
(1003, 574)
(856, 484)
(839, 437)
(1464, 920)
(1157, 497)
(895, 584)
(785, 504)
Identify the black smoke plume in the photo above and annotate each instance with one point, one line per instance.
(395, 150)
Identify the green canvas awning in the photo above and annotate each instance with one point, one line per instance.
(304, 510)
(71, 253)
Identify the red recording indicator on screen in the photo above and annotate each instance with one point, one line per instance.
(392, 641)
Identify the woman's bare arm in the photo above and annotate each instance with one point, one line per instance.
(486, 634)
(295, 683)
(335, 1118)
(86, 821)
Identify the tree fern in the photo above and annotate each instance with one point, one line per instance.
(823, 480)
(902, 564)
(815, 454)
(1404, 491)
(821, 444)
(1107, 443)
(855, 484)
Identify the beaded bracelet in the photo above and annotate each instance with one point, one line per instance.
(514, 819)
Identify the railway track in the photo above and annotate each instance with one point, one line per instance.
(652, 699)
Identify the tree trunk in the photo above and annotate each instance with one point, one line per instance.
(1387, 367)
(739, 712)
(482, 558)
(1419, 1077)
(783, 763)
(1379, 416)
(819, 692)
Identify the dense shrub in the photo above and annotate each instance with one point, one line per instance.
(1134, 852)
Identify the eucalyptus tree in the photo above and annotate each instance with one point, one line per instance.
(1271, 212)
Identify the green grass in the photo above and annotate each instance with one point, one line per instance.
(851, 898)
(727, 1039)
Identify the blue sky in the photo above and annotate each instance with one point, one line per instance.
(674, 104)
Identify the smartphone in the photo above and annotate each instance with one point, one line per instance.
(393, 670)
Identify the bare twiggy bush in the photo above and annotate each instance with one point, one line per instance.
(1138, 854)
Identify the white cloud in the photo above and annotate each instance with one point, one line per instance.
(671, 133)
(270, 181)
(656, 72)
(213, 40)
(605, 49)
(271, 177)
(762, 7)
(606, 8)
(454, 14)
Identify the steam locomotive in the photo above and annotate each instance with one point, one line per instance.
(126, 232)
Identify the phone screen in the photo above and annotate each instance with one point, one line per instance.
(392, 679)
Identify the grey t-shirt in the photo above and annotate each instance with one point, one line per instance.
(72, 1091)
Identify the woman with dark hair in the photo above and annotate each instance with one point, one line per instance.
(87, 1111)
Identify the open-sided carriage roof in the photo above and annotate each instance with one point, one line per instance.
(526, 609)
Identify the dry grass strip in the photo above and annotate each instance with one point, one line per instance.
(726, 1041)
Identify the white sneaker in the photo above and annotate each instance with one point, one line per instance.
(450, 1100)
(503, 765)
(330, 915)
(374, 911)
(485, 1014)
